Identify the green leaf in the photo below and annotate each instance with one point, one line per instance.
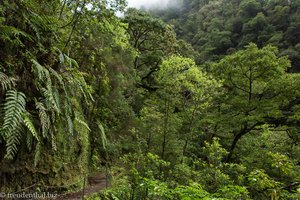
(14, 107)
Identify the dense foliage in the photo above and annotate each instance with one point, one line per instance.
(202, 105)
(217, 28)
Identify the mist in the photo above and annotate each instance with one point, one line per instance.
(149, 4)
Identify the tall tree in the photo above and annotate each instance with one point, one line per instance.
(153, 40)
(253, 96)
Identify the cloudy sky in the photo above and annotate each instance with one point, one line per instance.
(146, 3)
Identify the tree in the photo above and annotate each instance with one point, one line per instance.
(253, 96)
(249, 8)
(184, 94)
(153, 40)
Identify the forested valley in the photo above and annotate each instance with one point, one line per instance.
(196, 100)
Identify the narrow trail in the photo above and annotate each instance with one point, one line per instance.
(95, 183)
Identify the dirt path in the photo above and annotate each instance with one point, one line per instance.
(95, 183)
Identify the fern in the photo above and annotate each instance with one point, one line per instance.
(80, 119)
(53, 140)
(12, 141)
(67, 104)
(56, 98)
(29, 124)
(38, 22)
(82, 87)
(85, 89)
(44, 78)
(83, 123)
(41, 72)
(50, 98)
(44, 118)
(77, 77)
(57, 76)
(103, 135)
(35, 29)
(37, 153)
(71, 62)
(14, 106)
(6, 82)
(68, 110)
(12, 35)
(29, 140)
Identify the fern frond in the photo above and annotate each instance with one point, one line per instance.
(29, 140)
(37, 154)
(83, 123)
(44, 78)
(50, 99)
(53, 116)
(53, 140)
(44, 118)
(103, 135)
(29, 124)
(41, 72)
(50, 96)
(12, 141)
(70, 61)
(84, 88)
(39, 23)
(80, 119)
(56, 75)
(14, 106)
(56, 98)
(6, 82)
(70, 124)
(12, 35)
(68, 107)
(34, 28)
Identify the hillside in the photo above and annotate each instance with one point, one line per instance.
(217, 28)
(199, 100)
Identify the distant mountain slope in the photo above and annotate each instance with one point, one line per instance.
(219, 27)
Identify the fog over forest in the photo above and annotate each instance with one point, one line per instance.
(149, 4)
